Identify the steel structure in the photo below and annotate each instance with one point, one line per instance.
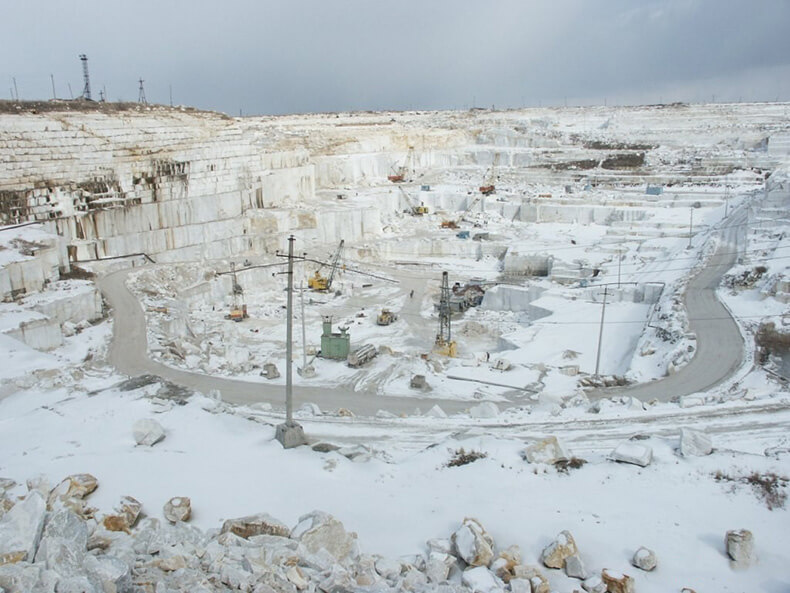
(86, 90)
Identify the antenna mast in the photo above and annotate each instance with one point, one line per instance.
(86, 90)
(141, 96)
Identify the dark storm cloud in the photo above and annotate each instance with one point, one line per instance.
(313, 55)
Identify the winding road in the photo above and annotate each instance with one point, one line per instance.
(720, 347)
(719, 352)
(129, 354)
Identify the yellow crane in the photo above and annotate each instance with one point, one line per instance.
(414, 209)
(322, 283)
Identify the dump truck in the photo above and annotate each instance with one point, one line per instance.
(362, 355)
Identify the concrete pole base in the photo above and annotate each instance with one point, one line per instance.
(291, 435)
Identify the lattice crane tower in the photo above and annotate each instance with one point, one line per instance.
(86, 90)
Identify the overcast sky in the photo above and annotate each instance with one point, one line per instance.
(262, 56)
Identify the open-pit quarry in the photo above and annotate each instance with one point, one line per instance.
(611, 272)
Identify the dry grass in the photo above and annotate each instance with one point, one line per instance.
(768, 487)
(462, 457)
(565, 465)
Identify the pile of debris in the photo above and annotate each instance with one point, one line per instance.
(51, 540)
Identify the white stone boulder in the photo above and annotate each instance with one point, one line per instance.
(71, 492)
(480, 580)
(645, 559)
(147, 432)
(740, 547)
(594, 584)
(319, 530)
(252, 525)
(129, 508)
(113, 574)
(389, 568)
(617, 582)
(412, 580)
(438, 565)
(484, 410)
(309, 410)
(21, 527)
(549, 450)
(442, 545)
(695, 443)
(63, 545)
(563, 547)
(575, 568)
(631, 452)
(436, 412)
(473, 544)
(178, 508)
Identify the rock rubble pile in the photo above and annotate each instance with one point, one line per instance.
(51, 541)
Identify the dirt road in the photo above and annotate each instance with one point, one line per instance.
(720, 347)
(129, 354)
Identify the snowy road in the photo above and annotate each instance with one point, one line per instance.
(720, 346)
(129, 354)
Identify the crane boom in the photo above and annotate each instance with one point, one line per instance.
(335, 260)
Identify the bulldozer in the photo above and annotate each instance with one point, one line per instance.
(386, 317)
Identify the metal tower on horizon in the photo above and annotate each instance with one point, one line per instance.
(141, 95)
(86, 90)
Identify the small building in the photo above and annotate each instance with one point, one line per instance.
(334, 345)
(654, 190)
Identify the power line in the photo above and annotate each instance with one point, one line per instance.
(739, 317)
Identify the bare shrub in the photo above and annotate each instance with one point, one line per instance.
(770, 341)
(565, 465)
(461, 457)
(768, 487)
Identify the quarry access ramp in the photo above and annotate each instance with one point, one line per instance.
(720, 345)
(128, 353)
(720, 349)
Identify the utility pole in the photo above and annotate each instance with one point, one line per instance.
(290, 434)
(600, 333)
(619, 260)
(306, 370)
(691, 221)
(16, 90)
(86, 90)
(171, 95)
(52, 78)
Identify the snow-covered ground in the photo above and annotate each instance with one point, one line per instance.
(66, 411)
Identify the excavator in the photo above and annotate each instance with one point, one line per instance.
(237, 313)
(399, 174)
(488, 187)
(321, 283)
(413, 208)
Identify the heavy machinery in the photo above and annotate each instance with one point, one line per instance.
(488, 186)
(237, 312)
(361, 355)
(386, 317)
(444, 344)
(322, 283)
(414, 209)
(399, 174)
